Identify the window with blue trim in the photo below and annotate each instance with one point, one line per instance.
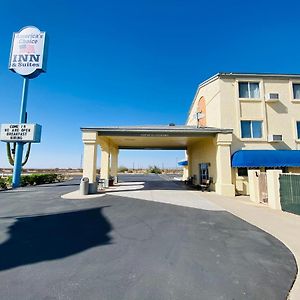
(298, 129)
(251, 129)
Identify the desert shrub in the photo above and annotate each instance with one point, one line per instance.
(24, 181)
(9, 180)
(3, 183)
(49, 178)
(60, 178)
(122, 169)
(36, 179)
(29, 180)
(154, 170)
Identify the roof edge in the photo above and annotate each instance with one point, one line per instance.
(242, 74)
(237, 74)
(130, 129)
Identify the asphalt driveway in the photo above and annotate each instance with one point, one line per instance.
(116, 247)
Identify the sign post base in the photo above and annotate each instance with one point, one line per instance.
(16, 180)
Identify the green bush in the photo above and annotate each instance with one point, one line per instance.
(61, 177)
(24, 181)
(122, 169)
(9, 180)
(3, 183)
(36, 179)
(154, 170)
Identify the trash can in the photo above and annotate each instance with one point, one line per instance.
(111, 181)
(101, 184)
(84, 186)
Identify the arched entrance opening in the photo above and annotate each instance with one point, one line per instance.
(205, 145)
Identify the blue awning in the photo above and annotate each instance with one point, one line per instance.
(266, 158)
(183, 163)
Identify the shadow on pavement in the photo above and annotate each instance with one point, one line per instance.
(41, 238)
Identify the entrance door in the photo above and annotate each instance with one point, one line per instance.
(203, 172)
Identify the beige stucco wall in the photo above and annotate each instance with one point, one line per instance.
(278, 117)
(224, 109)
(214, 151)
(203, 151)
(211, 93)
(185, 174)
(241, 183)
(294, 170)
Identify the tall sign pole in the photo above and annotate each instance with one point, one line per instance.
(27, 58)
(20, 145)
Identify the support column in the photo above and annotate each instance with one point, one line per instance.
(274, 188)
(114, 163)
(189, 159)
(90, 159)
(185, 174)
(253, 178)
(105, 162)
(224, 184)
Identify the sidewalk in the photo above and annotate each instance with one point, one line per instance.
(282, 225)
(171, 194)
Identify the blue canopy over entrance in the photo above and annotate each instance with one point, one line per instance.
(266, 158)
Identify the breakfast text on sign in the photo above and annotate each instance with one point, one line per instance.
(21, 133)
(16, 131)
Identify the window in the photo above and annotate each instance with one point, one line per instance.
(251, 129)
(242, 172)
(298, 129)
(296, 90)
(249, 90)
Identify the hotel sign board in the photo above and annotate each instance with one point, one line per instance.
(27, 55)
(20, 133)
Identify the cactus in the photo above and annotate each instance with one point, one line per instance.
(11, 153)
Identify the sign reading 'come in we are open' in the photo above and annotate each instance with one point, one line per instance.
(20, 133)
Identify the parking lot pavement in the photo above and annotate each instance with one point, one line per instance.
(116, 247)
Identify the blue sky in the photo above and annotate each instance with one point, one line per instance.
(135, 63)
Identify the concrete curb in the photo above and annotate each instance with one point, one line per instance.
(77, 196)
(121, 187)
